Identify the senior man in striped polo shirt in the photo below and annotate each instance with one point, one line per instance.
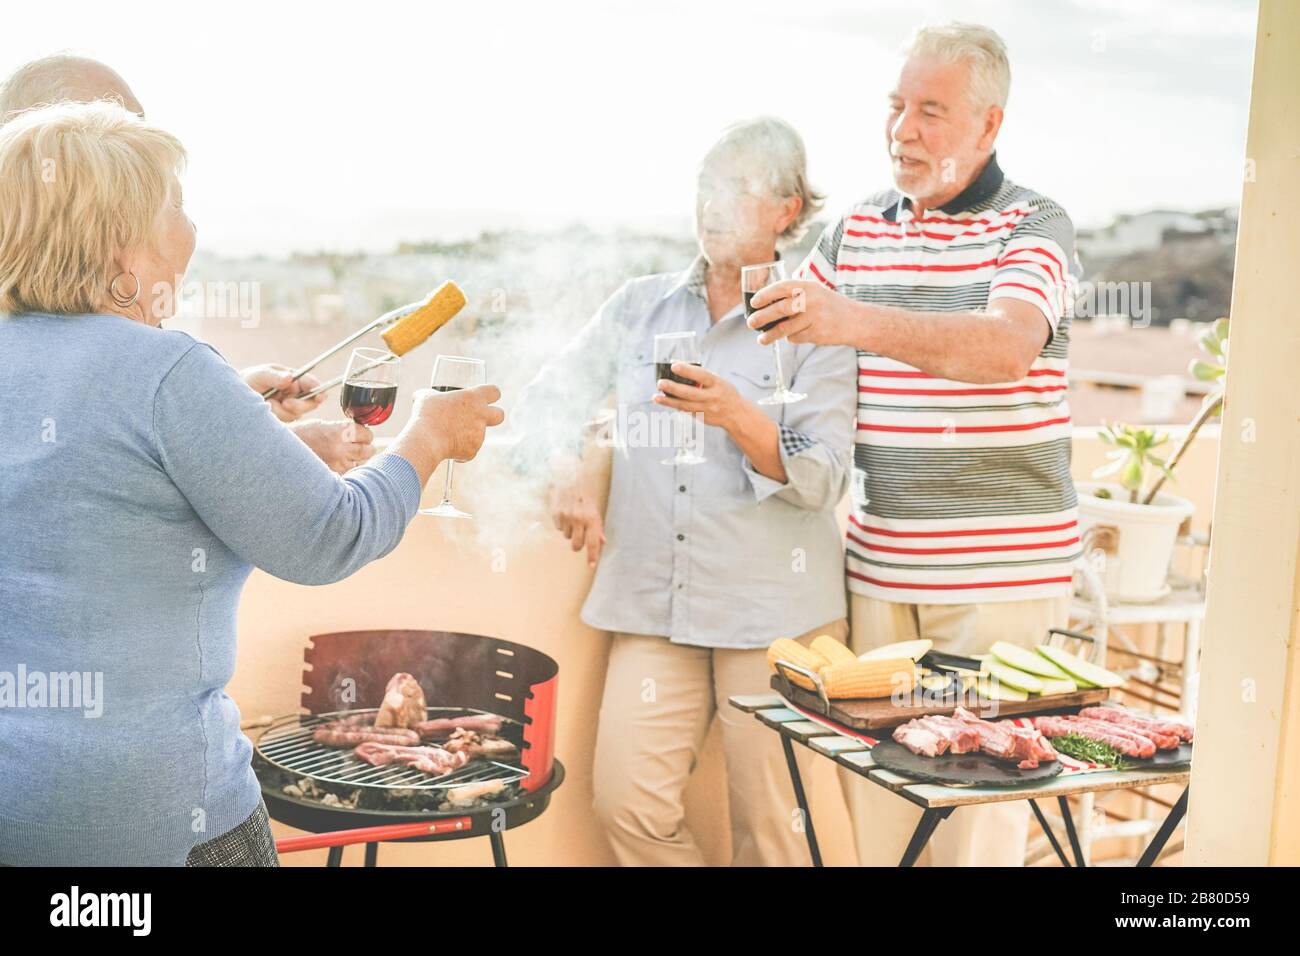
(955, 287)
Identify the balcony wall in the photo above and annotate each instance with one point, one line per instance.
(520, 582)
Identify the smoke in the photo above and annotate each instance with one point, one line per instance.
(529, 296)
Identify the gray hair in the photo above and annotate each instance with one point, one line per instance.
(59, 78)
(977, 46)
(772, 155)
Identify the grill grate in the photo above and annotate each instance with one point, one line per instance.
(287, 744)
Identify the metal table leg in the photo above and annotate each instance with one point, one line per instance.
(1165, 832)
(1051, 837)
(498, 848)
(801, 800)
(335, 857)
(930, 819)
(1068, 817)
(372, 854)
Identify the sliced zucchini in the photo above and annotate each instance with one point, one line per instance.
(1024, 659)
(1053, 686)
(1082, 671)
(1013, 677)
(996, 690)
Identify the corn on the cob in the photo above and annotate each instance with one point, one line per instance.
(436, 311)
(863, 679)
(785, 649)
(831, 649)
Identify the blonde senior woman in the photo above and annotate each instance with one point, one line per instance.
(63, 78)
(699, 567)
(140, 482)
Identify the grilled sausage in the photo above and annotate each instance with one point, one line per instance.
(486, 724)
(336, 736)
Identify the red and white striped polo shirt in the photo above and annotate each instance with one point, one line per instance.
(961, 492)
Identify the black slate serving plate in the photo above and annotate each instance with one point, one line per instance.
(959, 770)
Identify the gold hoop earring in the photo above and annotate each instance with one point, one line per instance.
(120, 300)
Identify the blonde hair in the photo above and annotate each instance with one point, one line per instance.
(79, 184)
(977, 46)
(772, 156)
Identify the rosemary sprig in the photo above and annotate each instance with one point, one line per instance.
(1094, 751)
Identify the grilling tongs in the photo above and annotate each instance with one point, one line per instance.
(404, 328)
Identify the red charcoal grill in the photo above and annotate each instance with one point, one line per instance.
(460, 674)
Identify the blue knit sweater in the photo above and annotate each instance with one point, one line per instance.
(140, 482)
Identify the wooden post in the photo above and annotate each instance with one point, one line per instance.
(1245, 795)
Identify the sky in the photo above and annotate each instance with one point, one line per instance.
(353, 126)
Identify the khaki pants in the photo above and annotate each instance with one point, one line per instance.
(659, 701)
(989, 835)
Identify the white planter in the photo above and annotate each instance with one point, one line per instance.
(1138, 568)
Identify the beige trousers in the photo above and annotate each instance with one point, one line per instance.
(988, 835)
(660, 699)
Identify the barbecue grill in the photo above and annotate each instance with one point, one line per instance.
(460, 674)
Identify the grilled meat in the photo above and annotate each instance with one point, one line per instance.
(431, 760)
(441, 727)
(403, 704)
(478, 745)
(334, 735)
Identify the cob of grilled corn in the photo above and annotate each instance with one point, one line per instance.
(792, 652)
(831, 649)
(435, 312)
(866, 679)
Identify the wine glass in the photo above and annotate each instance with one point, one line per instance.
(451, 372)
(370, 386)
(754, 279)
(673, 347)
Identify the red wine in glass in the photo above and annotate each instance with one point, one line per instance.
(754, 279)
(450, 374)
(370, 386)
(368, 403)
(665, 370)
(749, 310)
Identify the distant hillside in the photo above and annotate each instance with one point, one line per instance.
(1187, 258)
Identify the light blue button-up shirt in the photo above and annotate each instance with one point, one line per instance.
(712, 554)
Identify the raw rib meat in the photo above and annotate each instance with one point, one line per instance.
(961, 737)
(919, 739)
(963, 732)
(431, 760)
(403, 704)
(1140, 722)
(1005, 741)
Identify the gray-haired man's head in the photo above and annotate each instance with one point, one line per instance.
(61, 78)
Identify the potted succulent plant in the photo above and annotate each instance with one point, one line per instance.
(1130, 520)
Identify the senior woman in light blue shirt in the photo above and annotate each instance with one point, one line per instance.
(140, 482)
(700, 567)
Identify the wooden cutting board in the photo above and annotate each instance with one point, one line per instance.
(882, 712)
